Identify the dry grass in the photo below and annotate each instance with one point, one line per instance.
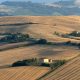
(53, 52)
(22, 73)
(45, 27)
(70, 71)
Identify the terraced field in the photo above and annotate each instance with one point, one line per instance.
(22, 73)
(69, 71)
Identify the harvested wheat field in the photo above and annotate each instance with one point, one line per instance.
(52, 52)
(41, 27)
(22, 73)
(69, 71)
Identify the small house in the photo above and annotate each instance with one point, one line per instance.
(45, 60)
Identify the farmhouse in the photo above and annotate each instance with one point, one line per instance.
(45, 60)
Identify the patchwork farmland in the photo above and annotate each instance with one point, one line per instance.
(56, 53)
(22, 73)
(39, 27)
(69, 71)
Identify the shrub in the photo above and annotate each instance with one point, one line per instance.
(45, 65)
(57, 64)
(19, 63)
(79, 45)
(50, 43)
(27, 62)
(56, 33)
(68, 42)
(75, 33)
(42, 41)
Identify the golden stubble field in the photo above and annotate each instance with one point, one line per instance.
(42, 27)
(52, 52)
(22, 73)
(69, 71)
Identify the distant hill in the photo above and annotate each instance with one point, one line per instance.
(4, 14)
(29, 8)
(43, 27)
(66, 3)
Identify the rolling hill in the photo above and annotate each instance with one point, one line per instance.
(52, 52)
(23, 73)
(39, 27)
(69, 71)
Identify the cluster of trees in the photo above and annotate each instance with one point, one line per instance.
(73, 44)
(75, 34)
(5, 33)
(27, 62)
(17, 37)
(57, 63)
(42, 41)
(57, 33)
(71, 35)
(36, 62)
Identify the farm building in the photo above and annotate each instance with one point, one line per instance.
(45, 60)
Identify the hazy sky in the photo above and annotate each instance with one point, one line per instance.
(48, 1)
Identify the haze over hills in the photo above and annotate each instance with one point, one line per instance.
(17, 8)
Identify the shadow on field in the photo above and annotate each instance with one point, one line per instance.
(46, 52)
(16, 27)
(5, 66)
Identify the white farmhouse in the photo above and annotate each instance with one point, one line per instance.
(45, 60)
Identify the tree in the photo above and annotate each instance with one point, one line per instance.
(17, 37)
(75, 33)
(19, 63)
(42, 41)
(27, 62)
(68, 42)
(57, 64)
(79, 45)
(56, 33)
